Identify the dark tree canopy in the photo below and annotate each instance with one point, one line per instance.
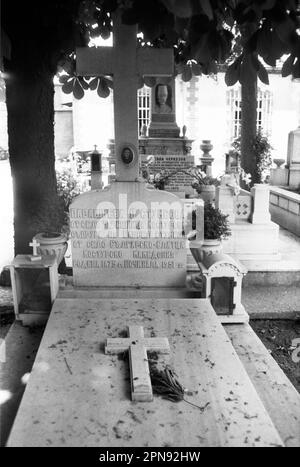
(203, 33)
(43, 37)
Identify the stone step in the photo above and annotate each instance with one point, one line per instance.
(275, 390)
(19, 349)
(264, 272)
(272, 278)
(277, 300)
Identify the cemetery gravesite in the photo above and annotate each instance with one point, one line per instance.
(149, 323)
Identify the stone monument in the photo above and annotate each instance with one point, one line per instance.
(172, 153)
(81, 392)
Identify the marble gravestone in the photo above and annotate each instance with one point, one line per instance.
(128, 235)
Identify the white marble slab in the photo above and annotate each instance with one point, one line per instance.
(78, 396)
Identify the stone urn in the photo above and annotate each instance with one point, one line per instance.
(206, 147)
(52, 243)
(206, 248)
(278, 162)
(207, 193)
(211, 247)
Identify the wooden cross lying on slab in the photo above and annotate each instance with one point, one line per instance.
(137, 344)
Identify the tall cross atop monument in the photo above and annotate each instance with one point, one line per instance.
(125, 62)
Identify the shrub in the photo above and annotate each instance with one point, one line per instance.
(216, 225)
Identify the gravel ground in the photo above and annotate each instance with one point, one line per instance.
(278, 337)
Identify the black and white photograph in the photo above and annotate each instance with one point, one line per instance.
(150, 227)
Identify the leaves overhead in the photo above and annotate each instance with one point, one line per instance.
(203, 34)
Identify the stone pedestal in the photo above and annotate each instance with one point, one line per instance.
(206, 159)
(165, 146)
(279, 177)
(294, 177)
(163, 115)
(261, 195)
(225, 202)
(293, 158)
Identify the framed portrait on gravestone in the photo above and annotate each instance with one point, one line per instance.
(128, 154)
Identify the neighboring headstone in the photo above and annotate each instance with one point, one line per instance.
(225, 197)
(128, 235)
(293, 158)
(176, 167)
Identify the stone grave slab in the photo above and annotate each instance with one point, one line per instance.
(128, 235)
(79, 396)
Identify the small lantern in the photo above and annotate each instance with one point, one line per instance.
(222, 282)
(96, 169)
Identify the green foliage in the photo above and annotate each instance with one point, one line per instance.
(68, 186)
(73, 83)
(262, 152)
(203, 35)
(216, 225)
(159, 179)
(4, 155)
(200, 178)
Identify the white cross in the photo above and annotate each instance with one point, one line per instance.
(34, 245)
(126, 62)
(137, 344)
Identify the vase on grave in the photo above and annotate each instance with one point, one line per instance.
(205, 249)
(207, 193)
(211, 247)
(278, 162)
(52, 243)
(206, 159)
(206, 147)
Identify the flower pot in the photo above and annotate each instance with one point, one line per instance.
(52, 243)
(208, 193)
(196, 250)
(201, 250)
(211, 247)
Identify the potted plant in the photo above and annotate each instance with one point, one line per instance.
(216, 229)
(52, 234)
(160, 179)
(53, 231)
(262, 150)
(205, 185)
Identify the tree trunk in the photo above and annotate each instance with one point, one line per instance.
(39, 33)
(248, 124)
(30, 109)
